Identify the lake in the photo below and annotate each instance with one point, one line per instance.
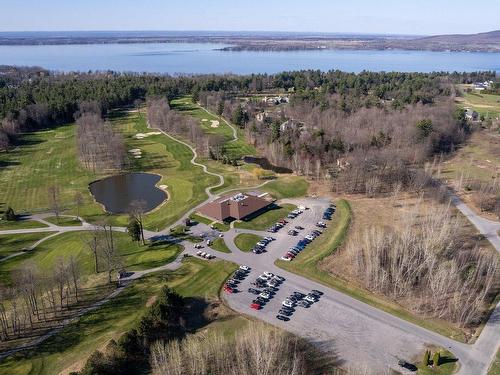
(116, 193)
(185, 58)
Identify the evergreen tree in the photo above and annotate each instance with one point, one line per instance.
(9, 214)
(427, 356)
(134, 229)
(435, 359)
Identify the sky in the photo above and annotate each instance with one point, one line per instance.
(417, 17)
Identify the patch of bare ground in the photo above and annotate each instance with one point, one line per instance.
(473, 172)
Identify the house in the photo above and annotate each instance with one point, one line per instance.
(471, 115)
(237, 206)
(290, 125)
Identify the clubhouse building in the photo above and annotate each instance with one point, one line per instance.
(235, 207)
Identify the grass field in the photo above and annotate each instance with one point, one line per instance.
(495, 365)
(485, 104)
(68, 350)
(236, 149)
(21, 224)
(133, 256)
(266, 219)
(246, 241)
(13, 243)
(64, 221)
(307, 264)
(219, 245)
(287, 187)
(478, 159)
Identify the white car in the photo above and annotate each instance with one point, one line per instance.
(203, 254)
(263, 278)
(221, 235)
(265, 295)
(287, 303)
(310, 298)
(244, 268)
(198, 253)
(285, 258)
(309, 237)
(268, 274)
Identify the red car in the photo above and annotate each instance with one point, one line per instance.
(228, 289)
(255, 306)
(290, 255)
(283, 221)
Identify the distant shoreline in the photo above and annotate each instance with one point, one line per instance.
(236, 42)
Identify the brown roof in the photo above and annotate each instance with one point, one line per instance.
(236, 206)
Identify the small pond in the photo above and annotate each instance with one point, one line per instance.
(116, 193)
(264, 163)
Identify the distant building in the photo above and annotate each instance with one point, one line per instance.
(480, 86)
(237, 206)
(471, 115)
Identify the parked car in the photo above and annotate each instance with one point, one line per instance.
(316, 292)
(265, 295)
(287, 303)
(253, 291)
(285, 312)
(286, 258)
(283, 318)
(303, 303)
(310, 298)
(244, 268)
(255, 306)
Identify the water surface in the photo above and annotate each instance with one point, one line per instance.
(117, 193)
(185, 58)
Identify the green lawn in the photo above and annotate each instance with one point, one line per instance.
(448, 365)
(219, 245)
(266, 219)
(21, 224)
(14, 243)
(236, 149)
(307, 265)
(485, 104)
(287, 187)
(68, 350)
(45, 158)
(495, 365)
(133, 256)
(246, 241)
(64, 221)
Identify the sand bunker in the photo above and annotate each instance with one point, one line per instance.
(214, 124)
(136, 153)
(145, 135)
(163, 187)
(204, 120)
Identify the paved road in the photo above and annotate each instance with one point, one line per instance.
(486, 227)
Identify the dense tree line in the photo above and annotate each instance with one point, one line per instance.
(31, 98)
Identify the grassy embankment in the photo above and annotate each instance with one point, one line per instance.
(21, 224)
(68, 350)
(266, 219)
(14, 243)
(219, 245)
(64, 221)
(495, 365)
(307, 265)
(246, 241)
